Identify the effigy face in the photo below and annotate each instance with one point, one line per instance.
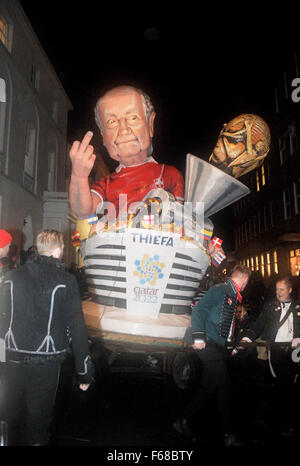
(242, 145)
(126, 130)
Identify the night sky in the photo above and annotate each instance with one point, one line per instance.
(201, 69)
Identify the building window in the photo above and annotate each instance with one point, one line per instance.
(55, 111)
(287, 203)
(245, 232)
(252, 264)
(254, 226)
(285, 147)
(271, 212)
(293, 138)
(263, 176)
(259, 221)
(6, 32)
(262, 265)
(257, 263)
(268, 264)
(257, 181)
(266, 220)
(3, 31)
(3, 107)
(295, 262)
(250, 228)
(296, 188)
(35, 77)
(29, 158)
(51, 171)
(282, 151)
(275, 261)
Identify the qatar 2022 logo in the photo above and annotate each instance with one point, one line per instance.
(149, 269)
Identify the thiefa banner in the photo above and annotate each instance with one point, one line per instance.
(149, 258)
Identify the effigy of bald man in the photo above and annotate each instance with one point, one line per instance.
(125, 116)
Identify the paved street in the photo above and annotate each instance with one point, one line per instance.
(137, 410)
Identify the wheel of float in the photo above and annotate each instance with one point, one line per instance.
(186, 369)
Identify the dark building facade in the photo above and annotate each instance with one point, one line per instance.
(267, 221)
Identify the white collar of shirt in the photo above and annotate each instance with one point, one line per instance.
(149, 159)
(285, 332)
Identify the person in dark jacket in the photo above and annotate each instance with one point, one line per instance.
(213, 319)
(279, 322)
(40, 316)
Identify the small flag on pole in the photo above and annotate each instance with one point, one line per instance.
(205, 234)
(92, 219)
(217, 258)
(148, 220)
(217, 242)
(75, 238)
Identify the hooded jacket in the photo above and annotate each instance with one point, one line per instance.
(41, 315)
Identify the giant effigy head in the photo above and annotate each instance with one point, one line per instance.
(242, 145)
(125, 116)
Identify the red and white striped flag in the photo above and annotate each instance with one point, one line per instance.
(217, 258)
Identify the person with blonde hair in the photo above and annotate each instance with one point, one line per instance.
(41, 321)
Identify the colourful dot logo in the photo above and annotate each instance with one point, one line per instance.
(149, 269)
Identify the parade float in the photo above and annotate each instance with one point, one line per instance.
(144, 270)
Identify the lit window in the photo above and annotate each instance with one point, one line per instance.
(268, 264)
(262, 265)
(3, 31)
(295, 262)
(263, 176)
(6, 32)
(257, 181)
(275, 259)
(256, 263)
(252, 264)
(248, 263)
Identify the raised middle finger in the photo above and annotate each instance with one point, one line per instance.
(86, 140)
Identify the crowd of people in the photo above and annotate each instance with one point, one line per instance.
(246, 336)
(42, 322)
